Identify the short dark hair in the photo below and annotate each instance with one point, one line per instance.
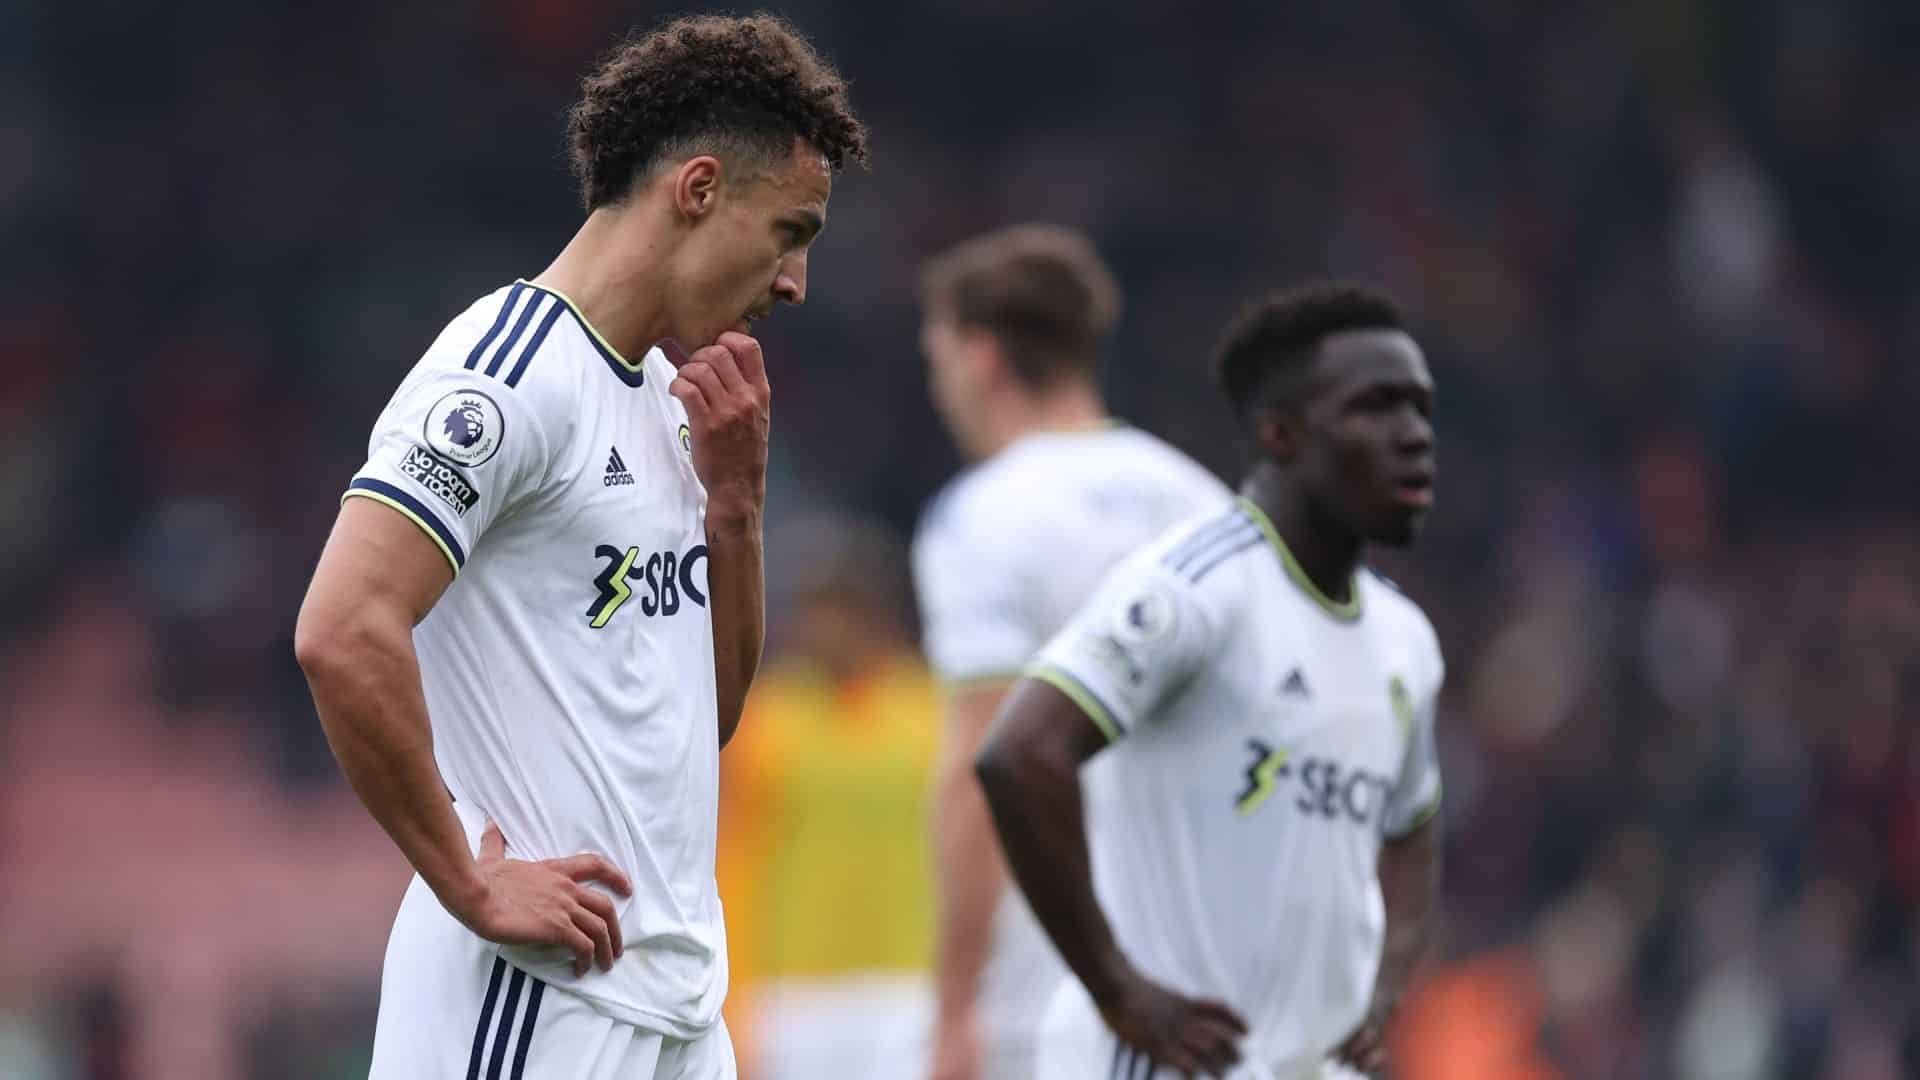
(707, 82)
(1275, 339)
(1042, 291)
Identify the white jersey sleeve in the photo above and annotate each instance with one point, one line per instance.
(972, 602)
(453, 450)
(1416, 795)
(1138, 641)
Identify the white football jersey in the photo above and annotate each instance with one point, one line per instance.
(1004, 557)
(568, 668)
(1265, 739)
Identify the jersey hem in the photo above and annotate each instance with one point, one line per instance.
(413, 510)
(1063, 680)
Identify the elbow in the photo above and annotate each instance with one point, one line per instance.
(993, 764)
(331, 644)
(317, 644)
(1006, 764)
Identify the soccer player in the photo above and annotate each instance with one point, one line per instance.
(1014, 326)
(535, 621)
(1217, 785)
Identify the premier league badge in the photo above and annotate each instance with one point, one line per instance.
(465, 427)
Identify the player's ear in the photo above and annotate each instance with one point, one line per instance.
(696, 186)
(984, 356)
(1278, 433)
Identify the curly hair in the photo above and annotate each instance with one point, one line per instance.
(1274, 339)
(707, 82)
(1042, 291)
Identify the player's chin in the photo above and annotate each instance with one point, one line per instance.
(1397, 526)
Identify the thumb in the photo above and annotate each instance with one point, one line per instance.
(493, 845)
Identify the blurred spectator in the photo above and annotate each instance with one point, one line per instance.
(823, 850)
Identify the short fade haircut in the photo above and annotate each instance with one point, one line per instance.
(1042, 291)
(1271, 344)
(707, 83)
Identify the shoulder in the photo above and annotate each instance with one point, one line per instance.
(1402, 617)
(1200, 563)
(985, 505)
(510, 336)
(1160, 462)
(512, 356)
(1208, 551)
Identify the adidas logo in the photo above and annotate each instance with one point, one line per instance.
(617, 474)
(1296, 685)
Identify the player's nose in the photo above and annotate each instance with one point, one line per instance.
(790, 284)
(1415, 433)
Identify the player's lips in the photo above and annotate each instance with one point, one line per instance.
(1414, 488)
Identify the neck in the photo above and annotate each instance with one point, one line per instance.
(1327, 552)
(614, 270)
(1070, 406)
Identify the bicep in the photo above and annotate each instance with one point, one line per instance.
(376, 560)
(1039, 722)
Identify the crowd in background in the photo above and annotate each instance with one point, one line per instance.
(1659, 255)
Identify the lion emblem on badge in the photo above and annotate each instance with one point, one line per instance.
(465, 424)
(469, 430)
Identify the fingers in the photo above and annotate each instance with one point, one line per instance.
(1216, 1011)
(1214, 1048)
(720, 360)
(596, 929)
(1209, 1035)
(746, 355)
(493, 844)
(1364, 1050)
(1370, 1056)
(706, 376)
(602, 909)
(584, 868)
(690, 396)
(582, 947)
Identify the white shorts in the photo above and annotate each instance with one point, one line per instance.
(852, 1027)
(1076, 1044)
(452, 1009)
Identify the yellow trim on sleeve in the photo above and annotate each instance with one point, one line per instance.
(363, 493)
(1060, 680)
(1421, 817)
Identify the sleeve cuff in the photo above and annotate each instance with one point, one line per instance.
(1416, 819)
(1063, 680)
(416, 511)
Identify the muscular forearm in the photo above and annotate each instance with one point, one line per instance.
(736, 587)
(366, 687)
(969, 878)
(1409, 883)
(1035, 799)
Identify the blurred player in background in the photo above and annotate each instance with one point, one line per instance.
(1254, 711)
(823, 845)
(537, 616)
(1015, 323)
